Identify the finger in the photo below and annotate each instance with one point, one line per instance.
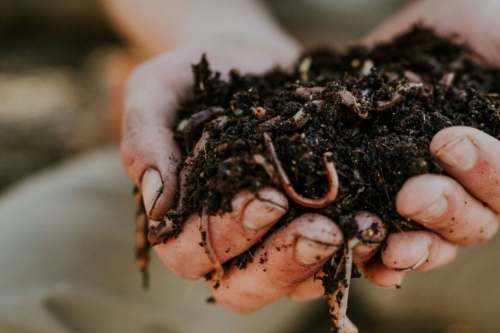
(149, 153)
(152, 96)
(376, 272)
(440, 204)
(308, 290)
(362, 253)
(230, 234)
(472, 158)
(368, 222)
(288, 257)
(417, 250)
(474, 21)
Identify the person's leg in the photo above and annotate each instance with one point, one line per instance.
(67, 262)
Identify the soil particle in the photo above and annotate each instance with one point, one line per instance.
(375, 111)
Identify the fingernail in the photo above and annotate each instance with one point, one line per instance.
(459, 154)
(309, 252)
(397, 281)
(395, 286)
(260, 214)
(417, 264)
(434, 211)
(152, 187)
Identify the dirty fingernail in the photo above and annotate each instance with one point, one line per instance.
(152, 187)
(260, 214)
(309, 252)
(418, 264)
(459, 154)
(434, 211)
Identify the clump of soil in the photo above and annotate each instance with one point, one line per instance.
(400, 95)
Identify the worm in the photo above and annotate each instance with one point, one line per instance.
(308, 92)
(268, 167)
(398, 96)
(447, 79)
(349, 100)
(142, 246)
(333, 181)
(207, 244)
(196, 122)
(374, 235)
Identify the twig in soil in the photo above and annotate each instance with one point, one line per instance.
(207, 244)
(333, 181)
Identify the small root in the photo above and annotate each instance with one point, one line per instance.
(333, 181)
(205, 237)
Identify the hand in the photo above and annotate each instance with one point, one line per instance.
(290, 256)
(462, 208)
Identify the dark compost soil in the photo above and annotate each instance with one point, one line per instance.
(376, 145)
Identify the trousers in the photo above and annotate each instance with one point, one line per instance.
(67, 265)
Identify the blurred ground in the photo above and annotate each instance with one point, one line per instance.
(53, 101)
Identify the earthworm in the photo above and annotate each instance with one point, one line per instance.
(338, 300)
(141, 241)
(162, 231)
(349, 100)
(374, 235)
(207, 244)
(447, 79)
(297, 121)
(333, 181)
(268, 167)
(307, 92)
(269, 125)
(196, 122)
(413, 77)
(398, 96)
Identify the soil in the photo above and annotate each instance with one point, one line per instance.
(376, 145)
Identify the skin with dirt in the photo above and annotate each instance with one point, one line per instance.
(373, 111)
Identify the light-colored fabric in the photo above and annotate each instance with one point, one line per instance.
(67, 263)
(332, 22)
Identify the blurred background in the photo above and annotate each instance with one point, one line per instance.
(61, 64)
(54, 82)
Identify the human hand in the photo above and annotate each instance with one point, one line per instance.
(461, 208)
(292, 255)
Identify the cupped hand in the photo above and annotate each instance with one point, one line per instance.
(289, 258)
(461, 208)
